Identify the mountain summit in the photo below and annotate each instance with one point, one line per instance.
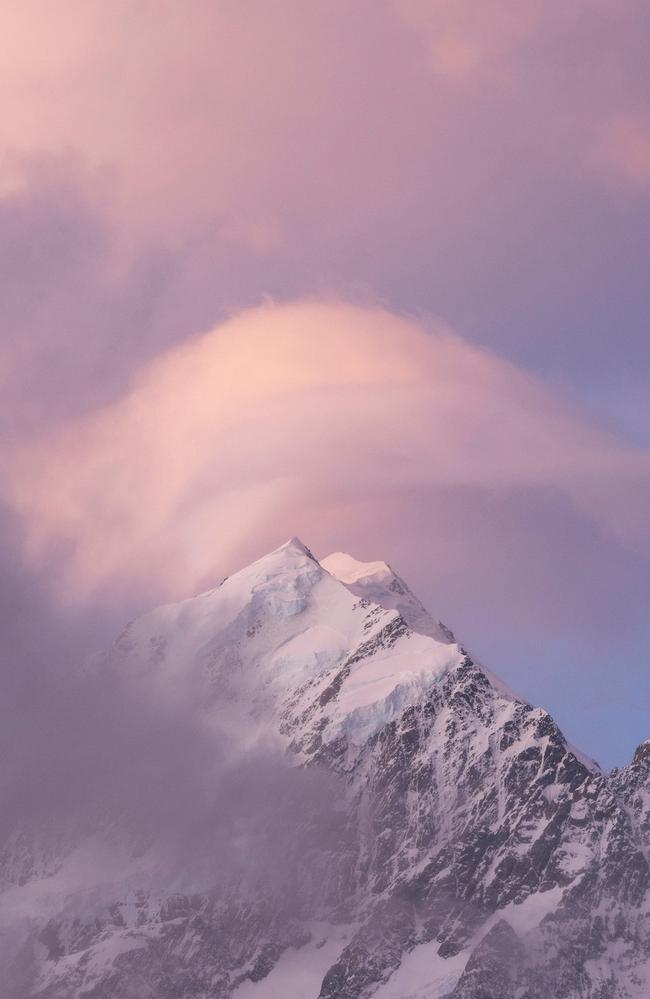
(423, 832)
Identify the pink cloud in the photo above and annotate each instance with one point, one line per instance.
(248, 120)
(306, 416)
(624, 149)
(465, 39)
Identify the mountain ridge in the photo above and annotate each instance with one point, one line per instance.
(463, 825)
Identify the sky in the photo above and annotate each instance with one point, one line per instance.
(370, 273)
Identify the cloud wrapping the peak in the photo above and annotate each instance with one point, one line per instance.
(302, 413)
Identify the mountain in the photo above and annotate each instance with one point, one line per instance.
(384, 818)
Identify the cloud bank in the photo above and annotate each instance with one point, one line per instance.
(164, 166)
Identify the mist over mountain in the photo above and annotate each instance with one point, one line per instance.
(300, 784)
(374, 275)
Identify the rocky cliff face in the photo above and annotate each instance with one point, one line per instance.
(456, 845)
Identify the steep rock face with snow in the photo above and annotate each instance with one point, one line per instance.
(472, 853)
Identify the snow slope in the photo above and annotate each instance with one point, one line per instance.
(475, 853)
(286, 621)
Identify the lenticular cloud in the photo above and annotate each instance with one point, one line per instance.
(313, 406)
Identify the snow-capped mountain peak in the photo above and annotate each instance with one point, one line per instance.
(378, 583)
(287, 627)
(350, 570)
(476, 853)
